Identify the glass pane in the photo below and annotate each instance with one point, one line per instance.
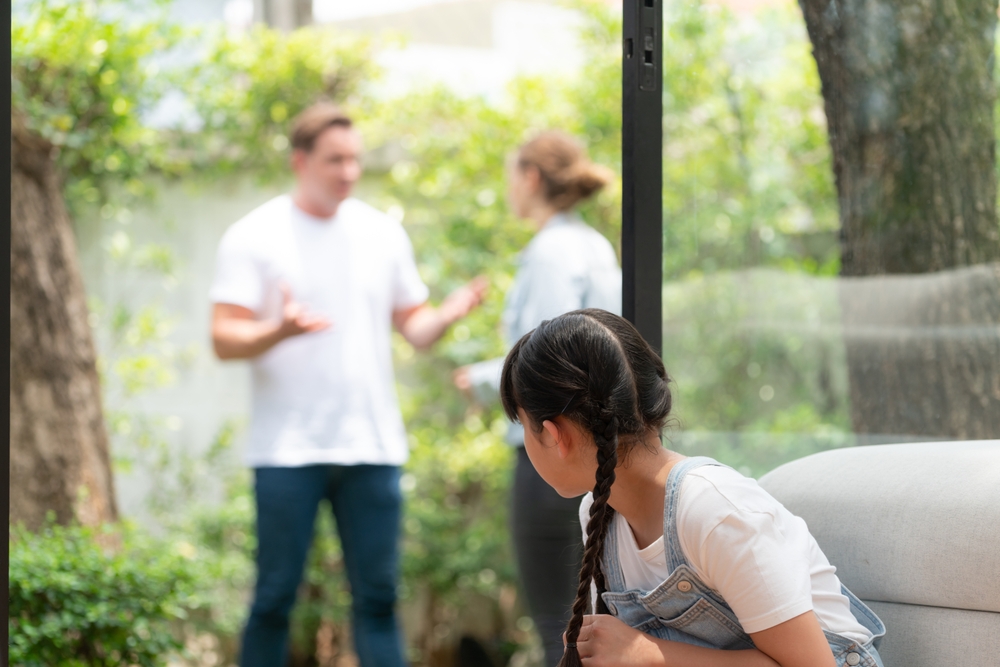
(442, 93)
(831, 272)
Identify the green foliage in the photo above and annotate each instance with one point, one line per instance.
(757, 355)
(747, 176)
(248, 88)
(219, 540)
(82, 75)
(748, 188)
(85, 75)
(82, 597)
(455, 523)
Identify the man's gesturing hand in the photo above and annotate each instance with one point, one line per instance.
(238, 334)
(296, 318)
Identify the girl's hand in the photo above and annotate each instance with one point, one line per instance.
(606, 641)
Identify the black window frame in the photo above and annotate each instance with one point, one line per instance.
(642, 168)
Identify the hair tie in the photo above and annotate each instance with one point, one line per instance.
(571, 645)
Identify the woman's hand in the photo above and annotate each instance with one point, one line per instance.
(462, 301)
(462, 380)
(605, 641)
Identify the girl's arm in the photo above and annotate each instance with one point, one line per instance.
(797, 641)
(606, 641)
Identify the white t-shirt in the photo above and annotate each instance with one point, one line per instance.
(745, 545)
(330, 396)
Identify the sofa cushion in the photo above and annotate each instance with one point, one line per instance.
(914, 523)
(918, 636)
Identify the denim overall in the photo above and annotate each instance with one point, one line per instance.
(684, 609)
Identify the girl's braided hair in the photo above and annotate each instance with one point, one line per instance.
(595, 369)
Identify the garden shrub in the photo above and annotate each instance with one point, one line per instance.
(93, 597)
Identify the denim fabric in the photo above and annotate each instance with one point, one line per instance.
(366, 503)
(684, 609)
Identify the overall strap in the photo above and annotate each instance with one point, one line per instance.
(671, 541)
(610, 563)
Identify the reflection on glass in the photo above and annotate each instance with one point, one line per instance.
(832, 249)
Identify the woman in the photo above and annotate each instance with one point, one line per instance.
(566, 266)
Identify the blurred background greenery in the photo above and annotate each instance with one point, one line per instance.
(750, 209)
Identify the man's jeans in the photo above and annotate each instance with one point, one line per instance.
(366, 504)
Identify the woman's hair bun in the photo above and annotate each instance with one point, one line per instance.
(568, 176)
(590, 178)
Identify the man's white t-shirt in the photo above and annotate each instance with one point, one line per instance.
(745, 545)
(329, 396)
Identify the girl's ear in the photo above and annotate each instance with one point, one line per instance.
(560, 436)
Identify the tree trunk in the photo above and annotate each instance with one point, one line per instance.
(910, 94)
(58, 443)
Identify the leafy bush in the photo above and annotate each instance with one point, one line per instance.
(82, 76)
(86, 597)
(248, 88)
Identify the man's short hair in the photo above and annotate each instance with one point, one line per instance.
(315, 120)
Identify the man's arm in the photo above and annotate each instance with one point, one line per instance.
(237, 334)
(423, 325)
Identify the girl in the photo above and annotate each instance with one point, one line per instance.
(687, 562)
(568, 265)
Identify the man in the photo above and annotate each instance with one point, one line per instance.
(308, 287)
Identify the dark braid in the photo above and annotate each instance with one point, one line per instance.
(593, 368)
(606, 439)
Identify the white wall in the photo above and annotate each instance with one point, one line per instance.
(206, 392)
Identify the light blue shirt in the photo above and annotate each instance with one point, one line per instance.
(566, 267)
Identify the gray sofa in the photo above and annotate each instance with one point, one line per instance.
(914, 531)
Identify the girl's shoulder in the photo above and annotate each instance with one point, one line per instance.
(711, 490)
(721, 490)
(720, 510)
(708, 496)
